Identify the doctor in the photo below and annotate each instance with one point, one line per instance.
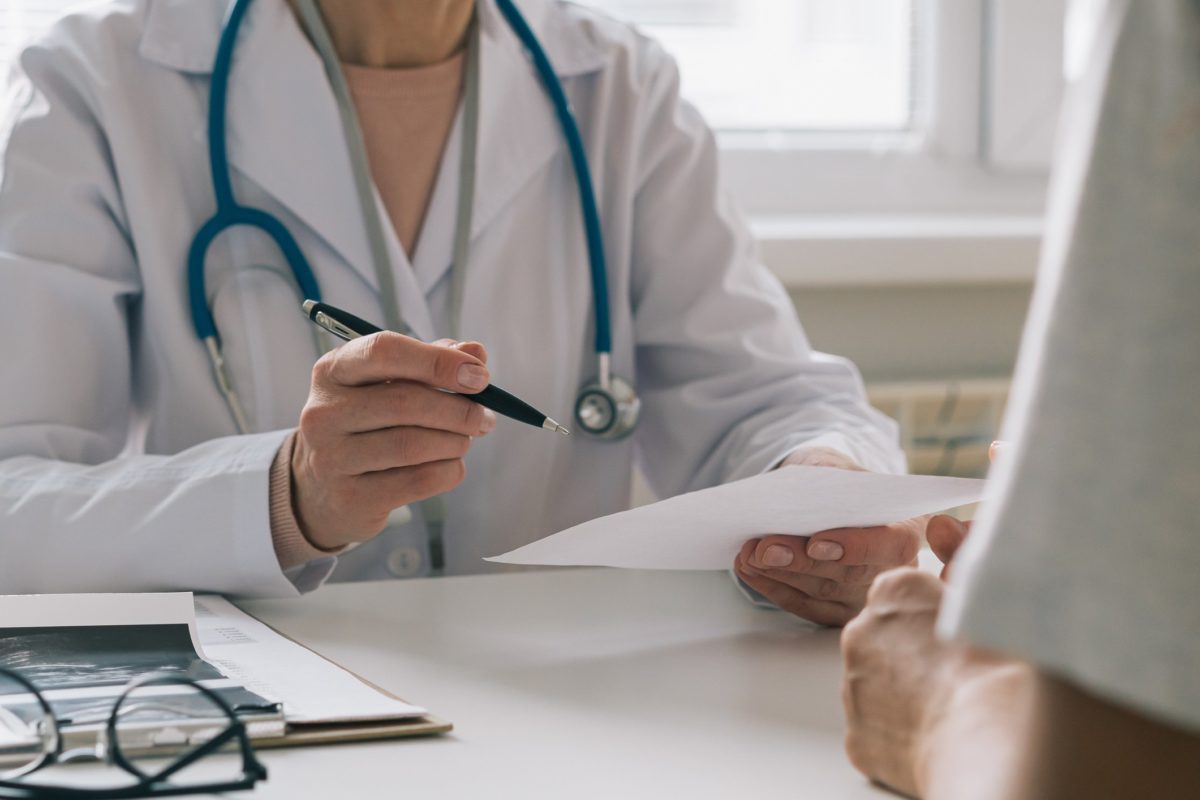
(125, 466)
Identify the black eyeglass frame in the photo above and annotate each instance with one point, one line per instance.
(148, 784)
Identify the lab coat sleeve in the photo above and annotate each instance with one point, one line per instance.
(78, 511)
(729, 383)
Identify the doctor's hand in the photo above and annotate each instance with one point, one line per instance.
(825, 577)
(378, 432)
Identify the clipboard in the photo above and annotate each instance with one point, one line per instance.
(169, 622)
(312, 734)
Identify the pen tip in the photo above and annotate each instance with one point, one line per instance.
(551, 425)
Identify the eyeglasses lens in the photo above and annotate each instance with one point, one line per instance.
(159, 725)
(27, 733)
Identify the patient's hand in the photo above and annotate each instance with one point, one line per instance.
(910, 696)
(825, 577)
(945, 535)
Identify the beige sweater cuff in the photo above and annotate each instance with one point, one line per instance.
(292, 547)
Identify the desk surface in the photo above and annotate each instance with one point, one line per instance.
(576, 684)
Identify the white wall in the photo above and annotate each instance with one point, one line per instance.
(918, 333)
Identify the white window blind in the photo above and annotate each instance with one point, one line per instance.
(790, 65)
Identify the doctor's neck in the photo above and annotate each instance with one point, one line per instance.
(397, 33)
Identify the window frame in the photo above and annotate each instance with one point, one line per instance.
(910, 208)
(1021, 107)
(949, 165)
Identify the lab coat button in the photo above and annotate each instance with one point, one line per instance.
(404, 562)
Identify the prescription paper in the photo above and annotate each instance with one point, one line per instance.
(704, 530)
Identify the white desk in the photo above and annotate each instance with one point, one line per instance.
(576, 684)
(572, 685)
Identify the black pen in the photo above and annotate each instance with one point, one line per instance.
(346, 326)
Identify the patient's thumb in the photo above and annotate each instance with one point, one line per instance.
(945, 535)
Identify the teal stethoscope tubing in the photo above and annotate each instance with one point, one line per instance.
(583, 174)
(230, 213)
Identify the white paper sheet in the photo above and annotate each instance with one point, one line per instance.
(704, 530)
(57, 610)
(311, 688)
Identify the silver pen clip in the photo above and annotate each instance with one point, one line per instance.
(333, 326)
(329, 323)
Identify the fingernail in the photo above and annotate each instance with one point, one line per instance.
(489, 421)
(472, 376)
(777, 556)
(825, 551)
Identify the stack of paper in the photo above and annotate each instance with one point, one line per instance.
(80, 651)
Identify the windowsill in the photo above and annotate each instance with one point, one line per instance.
(898, 250)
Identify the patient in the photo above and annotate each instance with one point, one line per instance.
(1063, 658)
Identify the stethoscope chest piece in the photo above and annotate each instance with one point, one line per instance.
(607, 412)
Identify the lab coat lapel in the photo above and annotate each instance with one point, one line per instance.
(435, 244)
(518, 130)
(284, 134)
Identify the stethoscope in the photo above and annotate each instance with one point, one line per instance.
(606, 407)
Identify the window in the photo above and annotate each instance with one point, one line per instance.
(867, 115)
(750, 65)
(790, 65)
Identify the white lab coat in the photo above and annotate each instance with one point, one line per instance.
(119, 464)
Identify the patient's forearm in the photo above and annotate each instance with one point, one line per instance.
(1078, 745)
(1018, 734)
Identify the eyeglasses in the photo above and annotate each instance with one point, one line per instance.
(152, 712)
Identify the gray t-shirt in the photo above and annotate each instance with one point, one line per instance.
(1086, 559)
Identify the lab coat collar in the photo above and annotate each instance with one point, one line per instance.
(284, 132)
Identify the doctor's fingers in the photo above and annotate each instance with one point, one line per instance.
(791, 554)
(388, 405)
(389, 356)
(378, 451)
(470, 348)
(396, 487)
(893, 545)
(795, 601)
(853, 595)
